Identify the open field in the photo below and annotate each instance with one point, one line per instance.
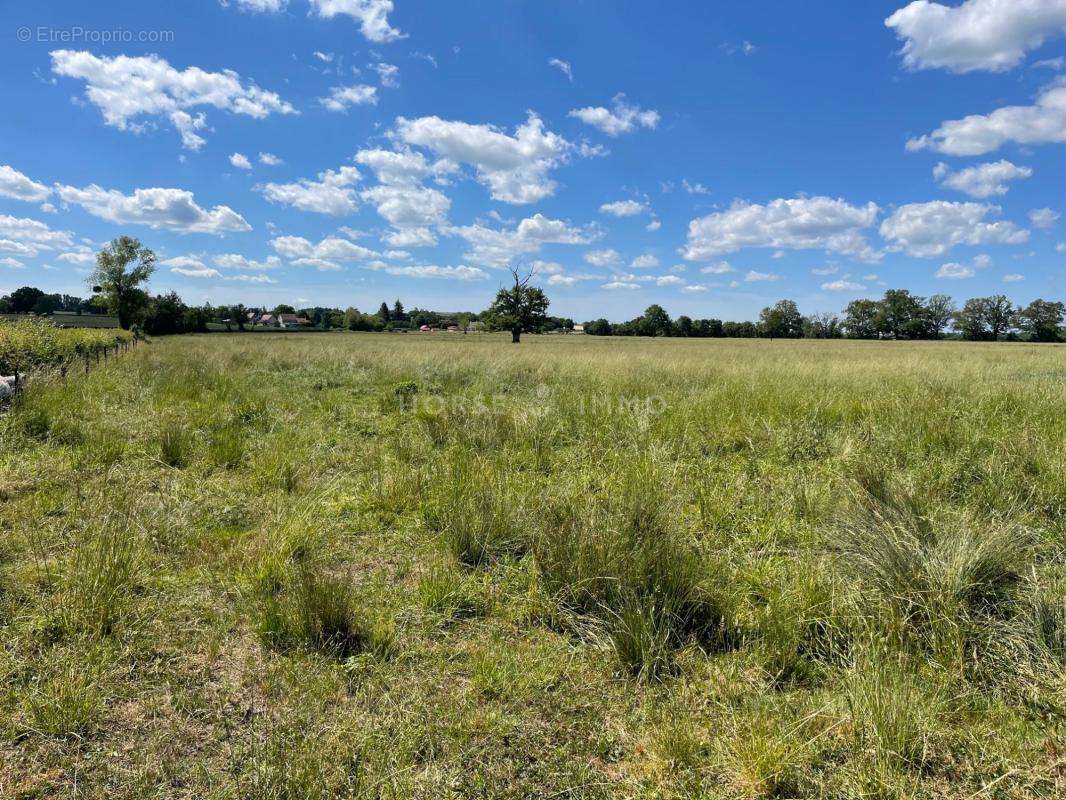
(355, 565)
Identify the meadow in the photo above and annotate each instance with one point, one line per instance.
(367, 565)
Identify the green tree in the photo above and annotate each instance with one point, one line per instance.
(598, 327)
(398, 313)
(23, 300)
(383, 313)
(939, 311)
(121, 269)
(654, 322)
(283, 308)
(900, 315)
(985, 318)
(781, 321)
(1041, 320)
(520, 308)
(860, 319)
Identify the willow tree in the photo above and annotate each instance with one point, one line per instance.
(121, 269)
(519, 308)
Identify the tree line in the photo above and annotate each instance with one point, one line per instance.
(897, 315)
(124, 266)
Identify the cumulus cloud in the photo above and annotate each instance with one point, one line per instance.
(330, 249)
(720, 268)
(459, 273)
(603, 258)
(237, 261)
(653, 226)
(931, 229)
(621, 118)
(645, 261)
(981, 181)
(341, 98)
(617, 284)
(11, 263)
(333, 192)
(694, 288)
(499, 247)
(1013, 277)
(1041, 123)
(388, 74)
(992, 35)
(240, 161)
(954, 271)
(127, 89)
(843, 286)
(668, 280)
(1043, 218)
(514, 168)
(269, 159)
(801, 223)
(15, 185)
(158, 208)
(624, 208)
(401, 199)
(196, 272)
(372, 16)
(563, 67)
(268, 6)
(754, 276)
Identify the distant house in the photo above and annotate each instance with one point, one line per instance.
(269, 320)
(426, 329)
(293, 321)
(579, 329)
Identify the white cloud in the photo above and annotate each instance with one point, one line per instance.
(126, 88)
(621, 285)
(1042, 123)
(332, 248)
(514, 168)
(563, 67)
(158, 208)
(202, 272)
(1043, 218)
(1060, 247)
(268, 6)
(388, 74)
(407, 207)
(931, 229)
(694, 188)
(954, 271)
(1013, 277)
(237, 261)
(1057, 64)
(411, 237)
(324, 57)
(754, 276)
(17, 186)
(500, 247)
(644, 262)
(653, 226)
(400, 198)
(81, 254)
(719, 268)
(321, 264)
(843, 286)
(240, 161)
(621, 118)
(250, 278)
(269, 159)
(603, 258)
(825, 271)
(11, 263)
(341, 98)
(623, 208)
(372, 16)
(184, 262)
(799, 223)
(332, 193)
(459, 273)
(668, 280)
(982, 261)
(983, 180)
(562, 280)
(694, 288)
(991, 35)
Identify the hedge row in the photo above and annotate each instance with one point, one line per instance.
(29, 345)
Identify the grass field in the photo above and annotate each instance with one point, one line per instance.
(369, 566)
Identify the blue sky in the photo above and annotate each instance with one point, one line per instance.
(710, 157)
